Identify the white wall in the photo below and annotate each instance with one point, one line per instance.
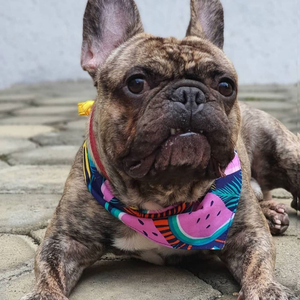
(40, 40)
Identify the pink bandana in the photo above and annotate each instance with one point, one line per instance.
(203, 224)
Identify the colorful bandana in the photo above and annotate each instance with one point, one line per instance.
(203, 224)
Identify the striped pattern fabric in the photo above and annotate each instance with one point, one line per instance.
(201, 224)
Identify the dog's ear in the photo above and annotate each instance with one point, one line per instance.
(106, 25)
(207, 20)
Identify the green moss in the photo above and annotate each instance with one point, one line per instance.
(4, 158)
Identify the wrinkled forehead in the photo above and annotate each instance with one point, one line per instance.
(168, 57)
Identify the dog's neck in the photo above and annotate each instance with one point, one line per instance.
(144, 194)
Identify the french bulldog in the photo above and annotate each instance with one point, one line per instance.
(165, 126)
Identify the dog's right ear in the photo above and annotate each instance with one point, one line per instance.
(106, 25)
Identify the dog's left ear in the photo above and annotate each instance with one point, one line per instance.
(207, 21)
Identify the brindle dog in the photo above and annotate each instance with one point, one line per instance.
(150, 91)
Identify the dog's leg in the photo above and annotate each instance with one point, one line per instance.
(250, 254)
(274, 154)
(59, 263)
(74, 239)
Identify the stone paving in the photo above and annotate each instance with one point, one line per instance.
(40, 133)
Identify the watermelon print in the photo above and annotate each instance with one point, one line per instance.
(203, 224)
(213, 222)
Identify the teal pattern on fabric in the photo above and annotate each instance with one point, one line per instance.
(226, 193)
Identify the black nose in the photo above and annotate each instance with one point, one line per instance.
(191, 97)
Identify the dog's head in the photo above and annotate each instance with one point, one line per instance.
(166, 118)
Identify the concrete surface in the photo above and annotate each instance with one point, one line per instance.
(33, 179)
(70, 137)
(54, 155)
(3, 165)
(154, 282)
(30, 193)
(15, 131)
(33, 120)
(11, 145)
(22, 252)
(41, 40)
(23, 213)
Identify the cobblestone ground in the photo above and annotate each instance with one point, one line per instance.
(40, 133)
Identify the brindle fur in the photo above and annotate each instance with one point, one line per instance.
(129, 128)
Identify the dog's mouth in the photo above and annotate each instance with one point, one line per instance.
(187, 150)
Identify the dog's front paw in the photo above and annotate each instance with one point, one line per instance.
(43, 296)
(276, 215)
(271, 291)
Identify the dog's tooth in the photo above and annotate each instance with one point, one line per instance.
(173, 131)
(201, 131)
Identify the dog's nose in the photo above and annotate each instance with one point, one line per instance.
(191, 97)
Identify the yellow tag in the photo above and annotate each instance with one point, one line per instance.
(134, 207)
(84, 108)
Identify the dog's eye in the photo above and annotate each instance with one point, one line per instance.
(226, 88)
(136, 85)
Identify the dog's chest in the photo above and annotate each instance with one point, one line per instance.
(147, 250)
(136, 242)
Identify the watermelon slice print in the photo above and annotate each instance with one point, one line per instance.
(203, 225)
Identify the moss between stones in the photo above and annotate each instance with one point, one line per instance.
(4, 158)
